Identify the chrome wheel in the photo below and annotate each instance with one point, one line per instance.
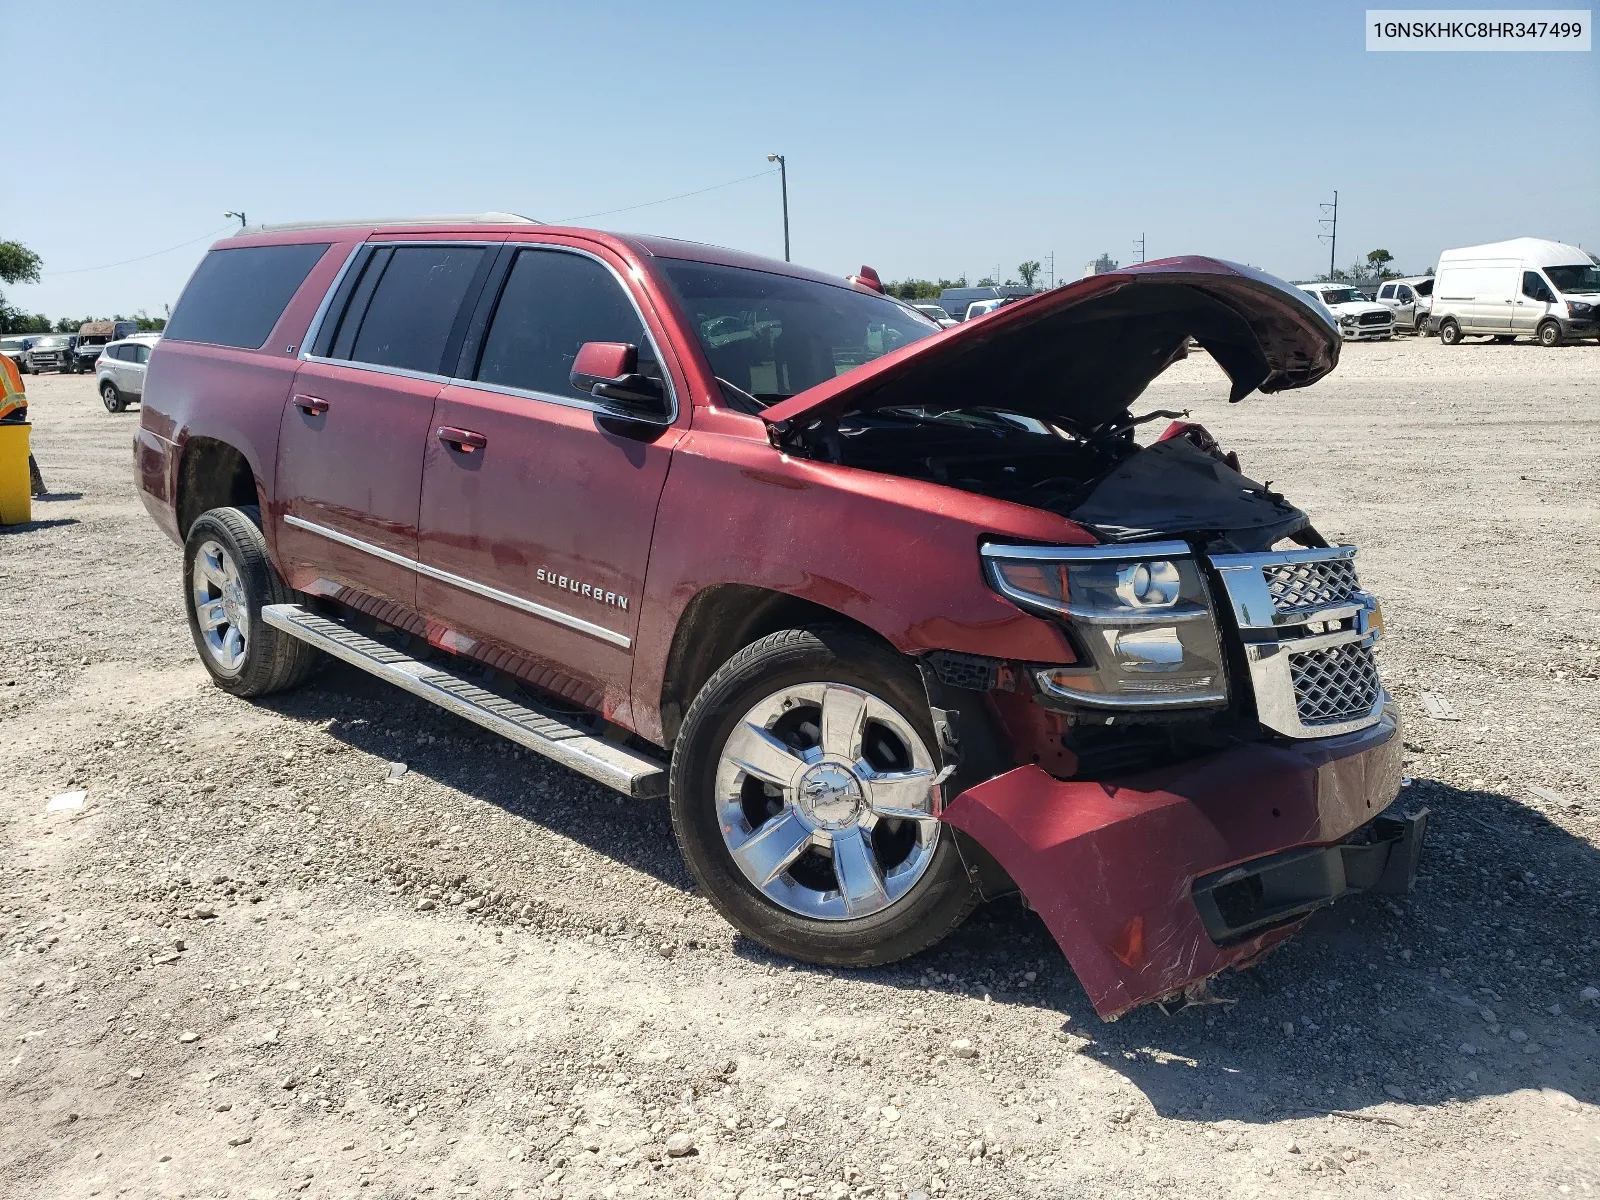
(826, 798)
(221, 609)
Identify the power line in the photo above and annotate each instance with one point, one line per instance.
(142, 257)
(680, 196)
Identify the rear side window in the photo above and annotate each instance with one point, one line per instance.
(553, 303)
(237, 296)
(404, 306)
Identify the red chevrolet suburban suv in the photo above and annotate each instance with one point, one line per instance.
(899, 618)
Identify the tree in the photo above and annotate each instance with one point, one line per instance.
(18, 264)
(1105, 263)
(988, 281)
(1378, 263)
(1028, 271)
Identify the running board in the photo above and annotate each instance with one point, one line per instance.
(627, 771)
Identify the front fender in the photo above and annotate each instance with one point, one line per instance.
(897, 555)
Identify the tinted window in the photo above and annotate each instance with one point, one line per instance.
(1533, 287)
(1386, 292)
(121, 352)
(414, 305)
(553, 303)
(140, 353)
(1404, 294)
(237, 296)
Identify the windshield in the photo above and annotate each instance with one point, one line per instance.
(772, 336)
(1575, 278)
(1331, 296)
(50, 343)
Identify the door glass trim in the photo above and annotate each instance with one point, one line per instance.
(465, 584)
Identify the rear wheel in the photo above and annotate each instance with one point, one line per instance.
(111, 398)
(1449, 332)
(228, 579)
(803, 797)
(1550, 334)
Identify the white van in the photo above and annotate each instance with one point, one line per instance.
(1526, 287)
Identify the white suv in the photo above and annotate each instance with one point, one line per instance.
(119, 371)
(1359, 319)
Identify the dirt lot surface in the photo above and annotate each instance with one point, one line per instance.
(223, 975)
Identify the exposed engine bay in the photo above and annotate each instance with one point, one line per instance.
(1181, 485)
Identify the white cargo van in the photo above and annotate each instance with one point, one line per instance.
(1526, 287)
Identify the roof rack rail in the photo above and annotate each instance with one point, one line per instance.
(487, 218)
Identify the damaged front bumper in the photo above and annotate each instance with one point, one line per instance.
(1153, 883)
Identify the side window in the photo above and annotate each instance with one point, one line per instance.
(236, 296)
(1386, 292)
(1533, 286)
(552, 303)
(123, 353)
(1404, 294)
(141, 353)
(415, 295)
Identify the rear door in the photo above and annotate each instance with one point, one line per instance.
(137, 355)
(357, 418)
(537, 509)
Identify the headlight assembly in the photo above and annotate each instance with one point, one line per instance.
(1141, 613)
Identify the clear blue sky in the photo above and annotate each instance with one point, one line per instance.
(924, 138)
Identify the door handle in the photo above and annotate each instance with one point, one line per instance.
(313, 406)
(464, 440)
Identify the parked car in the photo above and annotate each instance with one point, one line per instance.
(50, 352)
(892, 637)
(120, 370)
(94, 336)
(956, 301)
(1524, 287)
(1359, 319)
(934, 313)
(1409, 299)
(16, 348)
(980, 308)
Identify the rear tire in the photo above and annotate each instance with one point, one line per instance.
(227, 580)
(799, 841)
(1449, 333)
(1550, 334)
(111, 398)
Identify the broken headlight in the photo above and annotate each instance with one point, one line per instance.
(1140, 612)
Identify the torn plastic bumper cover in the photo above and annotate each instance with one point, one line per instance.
(1158, 881)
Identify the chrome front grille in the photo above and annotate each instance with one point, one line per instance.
(1334, 685)
(1308, 634)
(1296, 586)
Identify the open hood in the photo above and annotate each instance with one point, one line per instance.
(1080, 355)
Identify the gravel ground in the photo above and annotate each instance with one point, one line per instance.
(259, 961)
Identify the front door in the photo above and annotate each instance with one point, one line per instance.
(1534, 300)
(352, 435)
(537, 509)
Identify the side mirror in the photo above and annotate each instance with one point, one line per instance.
(610, 371)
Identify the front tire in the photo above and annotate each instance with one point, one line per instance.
(1550, 334)
(803, 798)
(111, 398)
(227, 580)
(1449, 333)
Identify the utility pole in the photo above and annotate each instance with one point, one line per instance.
(1052, 270)
(1331, 223)
(240, 215)
(783, 176)
(1140, 245)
